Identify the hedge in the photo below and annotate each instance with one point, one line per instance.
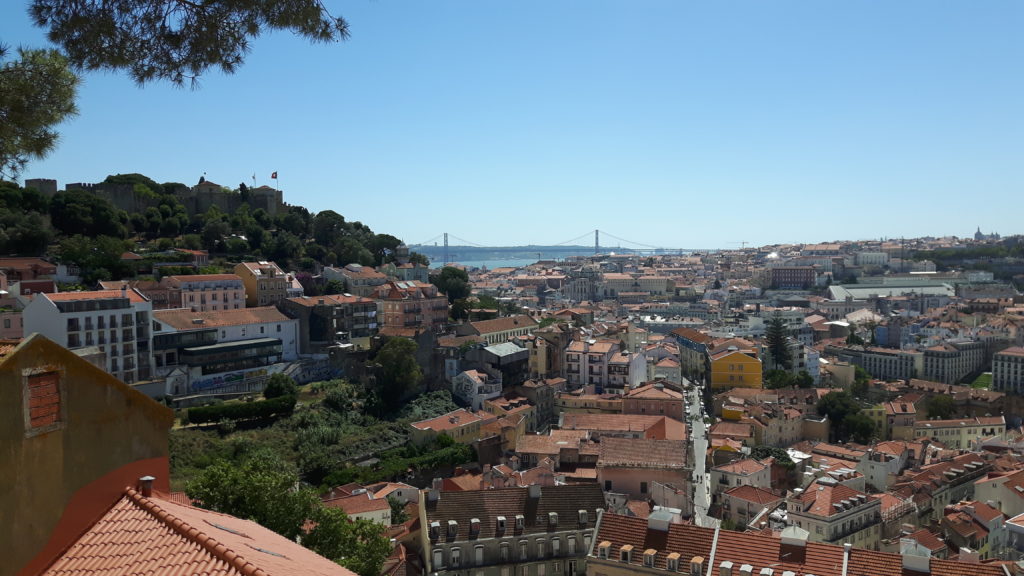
(282, 405)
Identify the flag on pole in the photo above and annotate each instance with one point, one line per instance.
(274, 175)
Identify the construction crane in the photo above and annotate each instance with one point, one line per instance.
(742, 243)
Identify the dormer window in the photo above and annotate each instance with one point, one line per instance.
(520, 521)
(649, 555)
(626, 553)
(453, 528)
(500, 524)
(583, 517)
(602, 549)
(474, 526)
(435, 530)
(552, 519)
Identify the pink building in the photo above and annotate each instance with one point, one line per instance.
(207, 292)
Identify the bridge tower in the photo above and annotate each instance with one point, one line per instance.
(597, 242)
(445, 248)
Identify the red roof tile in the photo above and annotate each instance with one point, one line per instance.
(155, 536)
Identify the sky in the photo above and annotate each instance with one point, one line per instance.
(665, 123)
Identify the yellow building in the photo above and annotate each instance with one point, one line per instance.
(461, 425)
(734, 368)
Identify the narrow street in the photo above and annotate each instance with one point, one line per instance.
(698, 436)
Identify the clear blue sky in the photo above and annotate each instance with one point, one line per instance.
(677, 124)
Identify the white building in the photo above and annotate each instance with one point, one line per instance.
(115, 321)
(232, 349)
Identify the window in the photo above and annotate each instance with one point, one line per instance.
(478, 555)
(438, 558)
(572, 568)
(504, 552)
(556, 544)
(607, 487)
(278, 326)
(540, 570)
(649, 558)
(456, 557)
(572, 545)
(43, 408)
(523, 554)
(643, 487)
(540, 549)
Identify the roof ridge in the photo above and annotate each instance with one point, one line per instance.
(185, 530)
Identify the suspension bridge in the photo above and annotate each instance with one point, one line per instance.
(447, 247)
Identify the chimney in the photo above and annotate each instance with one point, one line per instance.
(146, 486)
(746, 570)
(534, 491)
(913, 558)
(725, 568)
(968, 556)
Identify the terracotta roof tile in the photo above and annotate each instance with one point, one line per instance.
(760, 551)
(642, 453)
(132, 295)
(182, 319)
(141, 535)
(487, 505)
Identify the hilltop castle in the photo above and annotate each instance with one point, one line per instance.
(197, 199)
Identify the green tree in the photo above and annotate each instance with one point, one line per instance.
(861, 382)
(174, 40)
(860, 427)
(452, 282)
(261, 488)
(280, 385)
(941, 406)
(417, 258)
(358, 545)
(398, 513)
(765, 451)
(80, 212)
(775, 379)
(804, 380)
(778, 348)
(37, 92)
(838, 406)
(399, 374)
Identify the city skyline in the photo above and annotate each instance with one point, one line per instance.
(670, 125)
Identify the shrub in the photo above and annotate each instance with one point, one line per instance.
(238, 411)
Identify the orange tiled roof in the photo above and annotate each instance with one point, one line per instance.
(140, 535)
(642, 453)
(183, 319)
(760, 551)
(753, 494)
(132, 295)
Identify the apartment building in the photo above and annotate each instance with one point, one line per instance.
(951, 362)
(332, 320)
(586, 362)
(655, 398)
(227, 350)
(206, 292)
(1008, 370)
(415, 305)
(835, 513)
(628, 545)
(735, 368)
(629, 465)
(793, 277)
(534, 531)
(881, 363)
(116, 322)
(265, 283)
(357, 279)
(961, 433)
